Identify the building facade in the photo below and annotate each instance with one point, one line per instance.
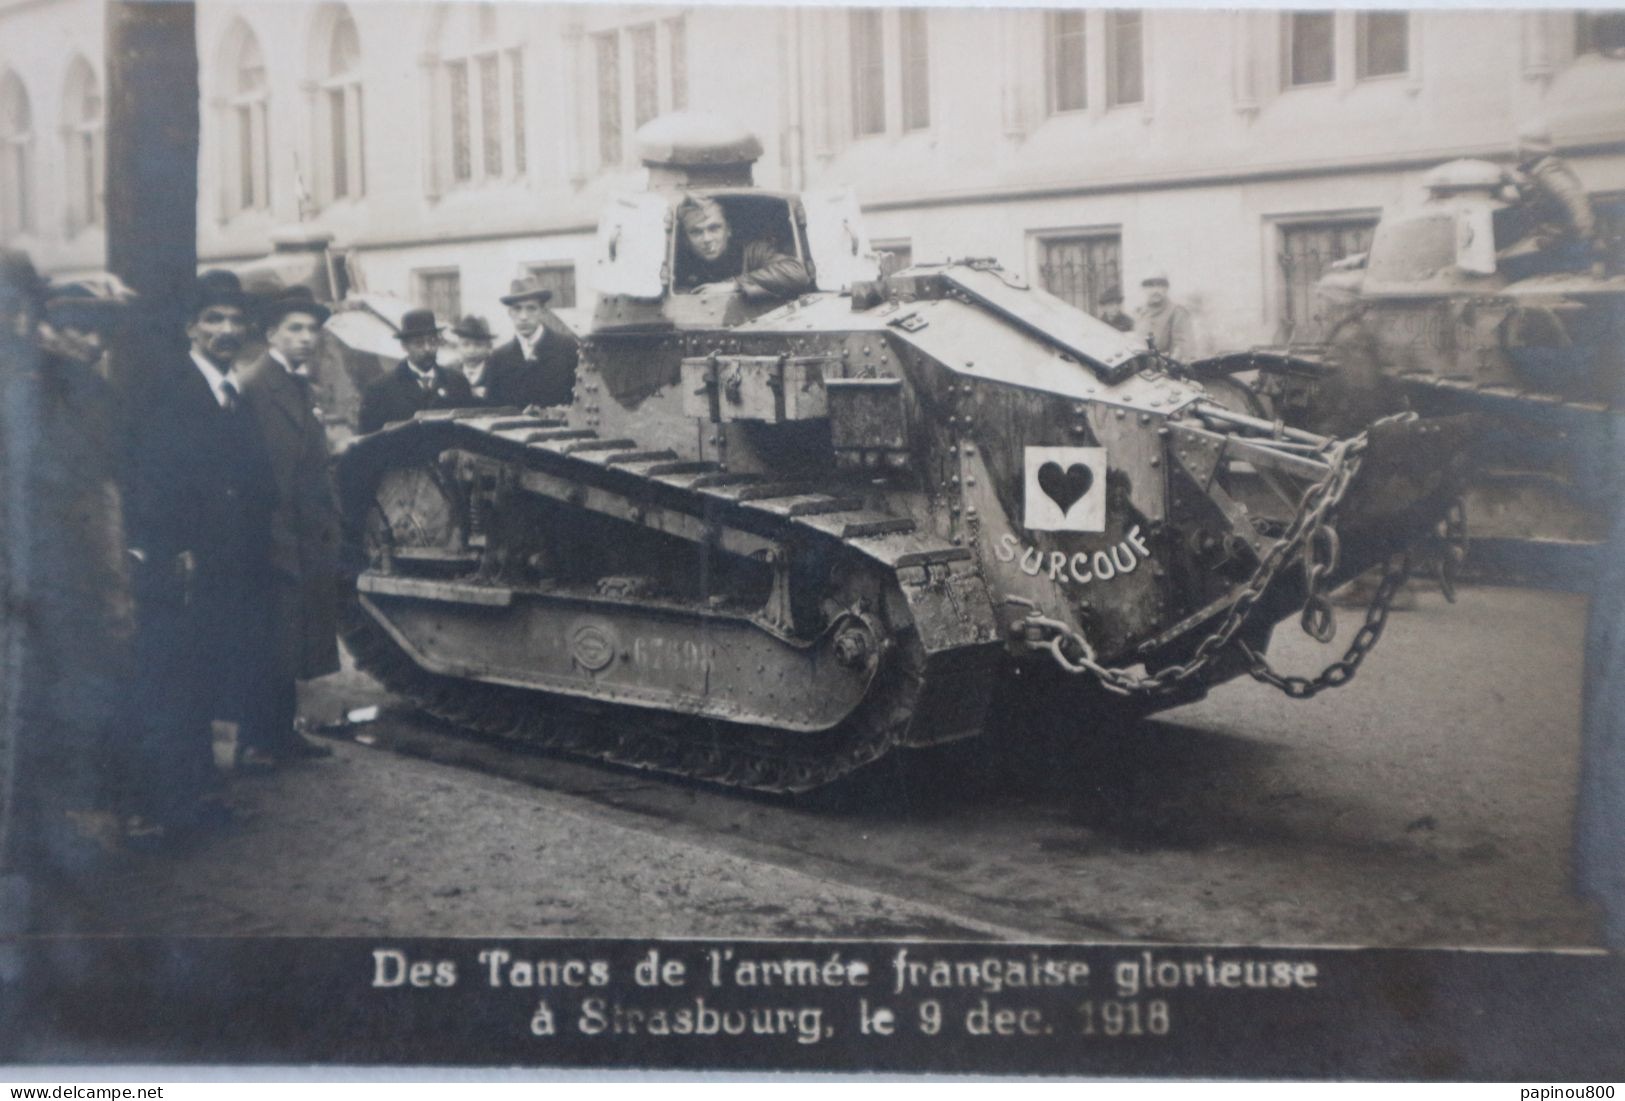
(451, 147)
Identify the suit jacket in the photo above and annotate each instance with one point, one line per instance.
(547, 379)
(304, 523)
(200, 484)
(759, 270)
(397, 396)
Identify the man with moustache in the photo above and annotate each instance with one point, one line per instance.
(418, 382)
(199, 500)
(301, 604)
(538, 366)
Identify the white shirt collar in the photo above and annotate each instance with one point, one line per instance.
(428, 376)
(476, 376)
(214, 377)
(529, 346)
(284, 364)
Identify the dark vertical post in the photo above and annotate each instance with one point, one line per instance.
(151, 185)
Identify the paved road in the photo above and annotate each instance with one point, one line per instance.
(1428, 803)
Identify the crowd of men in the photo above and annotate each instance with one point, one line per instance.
(182, 563)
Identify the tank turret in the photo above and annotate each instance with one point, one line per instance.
(792, 525)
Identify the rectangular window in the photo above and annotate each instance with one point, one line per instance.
(560, 278)
(868, 73)
(1125, 58)
(491, 115)
(1383, 43)
(516, 66)
(1064, 53)
(92, 164)
(1310, 47)
(1599, 32)
(1079, 269)
(462, 153)
(360, 140)
(677, 36)
(18, 195)
(337, 122)
(645, 75)
(608, 49)
(1307, 250)
(440, 290)
(916, 68)
(245, 158)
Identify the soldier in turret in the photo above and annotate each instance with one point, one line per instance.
(719, 262)
(1558, 220)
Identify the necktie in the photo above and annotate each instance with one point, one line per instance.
(228, 396)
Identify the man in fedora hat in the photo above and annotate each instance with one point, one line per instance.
(473, 348)
(301, 601)
(1163, 322)
(199, 500)
(418, 382)
(538, 366)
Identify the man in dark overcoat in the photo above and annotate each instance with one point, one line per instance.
(538, 366)
(199, 498)
(417, 382)
(302, 604)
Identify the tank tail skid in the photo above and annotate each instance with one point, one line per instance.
(770, 696)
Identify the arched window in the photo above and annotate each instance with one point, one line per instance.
(246, 109)
(480, 98)
(338, 119)
(83, 151)
(16, 158)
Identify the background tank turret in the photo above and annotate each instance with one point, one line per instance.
(778, 536)
(1461, 307)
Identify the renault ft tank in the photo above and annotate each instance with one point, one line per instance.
(1457, 308)
(772, 541)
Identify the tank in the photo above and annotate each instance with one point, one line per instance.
(774, 540)
(1457, 309)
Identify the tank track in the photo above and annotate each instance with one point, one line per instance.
(755, 758)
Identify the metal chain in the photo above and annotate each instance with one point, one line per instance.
(1311, 532)
(1339, 672)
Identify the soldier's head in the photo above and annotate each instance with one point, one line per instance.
(473, 337)
(527, 304)
(292, 323)
(218, 317)
(1156, 289)
(705, 227)
(1111, 300)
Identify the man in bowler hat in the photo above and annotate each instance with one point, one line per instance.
(538, 366)
(473, 349)
(301, 602)
(199, 499)
(1112, 312)
(417, 382)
